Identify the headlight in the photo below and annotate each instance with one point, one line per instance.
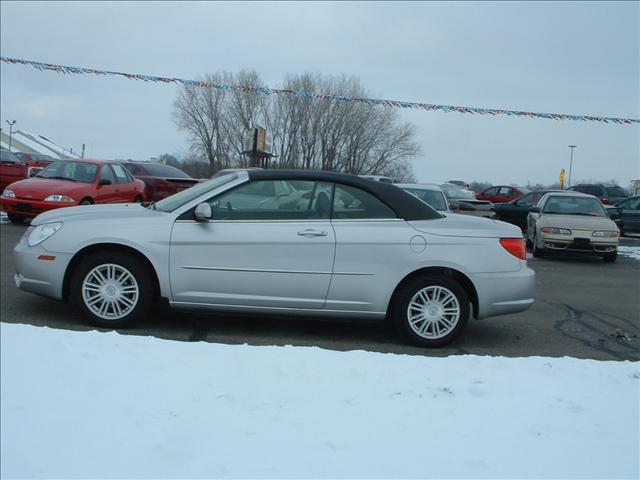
(556, 231)
(8, 193)
(605, 233)
(40, 233)
(59, 199)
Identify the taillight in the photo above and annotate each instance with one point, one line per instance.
(515, 246)
(605, 201)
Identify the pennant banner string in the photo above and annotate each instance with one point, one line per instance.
(63, 69)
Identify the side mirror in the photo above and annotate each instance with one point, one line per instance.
(104, 181)
(203, 212)
(534, 209)
(614, 212)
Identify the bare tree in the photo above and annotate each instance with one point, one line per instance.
(308, 132)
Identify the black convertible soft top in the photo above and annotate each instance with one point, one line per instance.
(402, 203)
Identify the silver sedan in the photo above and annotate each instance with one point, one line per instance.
(287, 242)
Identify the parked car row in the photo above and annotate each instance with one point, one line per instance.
(32, 184)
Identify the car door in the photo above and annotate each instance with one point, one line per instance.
(125, 187)
(516, 211)
(265, 247)
(371, 241)
(630, 210)
(106, 193)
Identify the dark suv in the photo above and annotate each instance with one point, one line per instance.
(608, 194)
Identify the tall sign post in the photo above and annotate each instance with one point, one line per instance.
(562, 179)
(258, 146)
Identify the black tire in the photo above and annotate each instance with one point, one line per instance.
(137, 269)
(610, 257)
(138, 199)
(537, 252)
(400, 309)
(86, 201)
(15, 218)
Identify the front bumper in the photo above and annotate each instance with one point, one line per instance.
(37, 275)
(29, 208)
(583, 245)
(504, 293)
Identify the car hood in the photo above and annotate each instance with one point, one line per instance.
(121, 212)
(40, 188)
(577, 222)
(455, 225)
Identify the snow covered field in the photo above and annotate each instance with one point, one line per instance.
(98, 405)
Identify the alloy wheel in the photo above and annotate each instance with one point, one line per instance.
(433, 312)
(110, 291)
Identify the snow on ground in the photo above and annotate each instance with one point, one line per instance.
(96, 405)
(632, 252)
(3, 217)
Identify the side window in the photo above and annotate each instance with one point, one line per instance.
(528, 200)
(274, 200)
(121, 174)
(505, 191)
(491, 191)
(107, 174)
(353, 203)
(631, 204)
(134, 169)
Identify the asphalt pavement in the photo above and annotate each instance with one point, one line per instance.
(584, 308)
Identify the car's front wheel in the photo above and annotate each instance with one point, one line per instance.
(431, 311)
(538, 252)
(610, 257)
(111, 289)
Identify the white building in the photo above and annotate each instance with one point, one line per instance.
(27, 142)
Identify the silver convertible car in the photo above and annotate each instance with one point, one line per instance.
(286, 242)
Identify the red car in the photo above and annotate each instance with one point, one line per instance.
(501, 193)
(16, 166)
(161, 180)
(66, 183)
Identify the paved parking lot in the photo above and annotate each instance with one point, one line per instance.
(584, 308)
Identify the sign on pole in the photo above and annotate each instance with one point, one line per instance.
(562, 179)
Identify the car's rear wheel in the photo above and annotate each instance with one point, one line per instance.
(431, 311)
(86, 201)
(138, 199)
(111, 289)
(15, 218)
(610, 257)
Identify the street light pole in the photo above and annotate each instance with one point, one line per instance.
(570, 164)
(11, 124)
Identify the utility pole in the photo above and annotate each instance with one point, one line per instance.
(570, 164)
(11, 124)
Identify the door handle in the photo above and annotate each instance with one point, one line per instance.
(310, 232)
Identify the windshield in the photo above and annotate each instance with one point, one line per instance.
(179, 199)
(569, 205)
(459, 193)
(84, 172)
(8, 157)
(616, 192)
(433, 198)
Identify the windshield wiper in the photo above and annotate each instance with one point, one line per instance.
(59, 178)
(149, 205)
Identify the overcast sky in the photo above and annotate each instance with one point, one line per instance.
(578, 58)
